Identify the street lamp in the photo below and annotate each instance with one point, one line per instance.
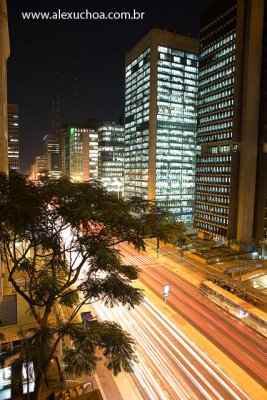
(157, 249)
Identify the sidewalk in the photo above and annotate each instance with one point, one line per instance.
(121, 387)
(254, 390)
(175, 266)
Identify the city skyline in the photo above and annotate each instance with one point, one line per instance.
(136, 249)
(40, 49)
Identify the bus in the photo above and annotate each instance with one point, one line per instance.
(236, 306)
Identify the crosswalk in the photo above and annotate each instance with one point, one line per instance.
(138, 260)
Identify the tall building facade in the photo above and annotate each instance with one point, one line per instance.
(228, 119)
(260, 216)
(111, 157)
(79, 153)
(160, 121)
(52, 155)
(38, 168)
(4, 54)
(13, 137)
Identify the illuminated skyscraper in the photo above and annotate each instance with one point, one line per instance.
(13, 137)
(111, 157)
(52, 155)
(38, 168)
(231, 186)
(4, 54)
(79, 153)
(160, 120)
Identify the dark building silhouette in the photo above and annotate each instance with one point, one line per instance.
(4, 54)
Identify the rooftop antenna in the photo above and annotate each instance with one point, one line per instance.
(76, 101)
(53, 123)
(56, 111)
(57, 107)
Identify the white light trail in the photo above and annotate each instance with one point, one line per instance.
(160, 378)
(157, 333)
(194, 349)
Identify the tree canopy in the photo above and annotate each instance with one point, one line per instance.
(61, 238)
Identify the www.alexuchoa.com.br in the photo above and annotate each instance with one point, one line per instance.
(83, 15)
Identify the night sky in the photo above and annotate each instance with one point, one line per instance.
(92, 51)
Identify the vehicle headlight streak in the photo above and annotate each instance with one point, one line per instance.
(149, 355)
(179, 364)
(167, 371)
(142, 372)
(194, 350)
(153, 371)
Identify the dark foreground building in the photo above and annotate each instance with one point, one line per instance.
(231, 184)
(4, 54)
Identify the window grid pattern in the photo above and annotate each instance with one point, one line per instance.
(215, 121)
(216, 92)
(137, 97)
(80, 153)
(176, 131)
(13, 141)
(212, 193)
(111, 156)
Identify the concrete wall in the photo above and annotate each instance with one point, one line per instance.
(250, 118)
(4, 54)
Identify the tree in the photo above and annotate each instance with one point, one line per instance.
(160, 223)
(61, 238)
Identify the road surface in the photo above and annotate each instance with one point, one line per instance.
(171, 366)
(240, 343)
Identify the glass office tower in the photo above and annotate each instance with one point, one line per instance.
(137, 97)
(160, 121)
(111, 157)
(228, 119)
(79, 146)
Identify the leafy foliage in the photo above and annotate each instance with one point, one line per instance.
(61, 238)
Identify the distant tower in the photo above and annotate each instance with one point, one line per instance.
(111, 157)
(13, 137)
(79, 152)
(4, 54)
(37, 168)
(52, 152)
(52, 141)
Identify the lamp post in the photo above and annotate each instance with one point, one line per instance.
(157, 248)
